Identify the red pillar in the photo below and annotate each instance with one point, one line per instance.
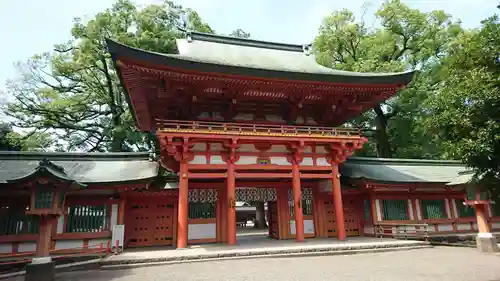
(44, 239)
(297, 203)
(231, 208)
(182, 213)
(337, 203)
(482, 219)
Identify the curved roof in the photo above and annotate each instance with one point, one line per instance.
(80, 167)
(245, 57)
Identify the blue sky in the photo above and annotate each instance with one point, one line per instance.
(33, 26)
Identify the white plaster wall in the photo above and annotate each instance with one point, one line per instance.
(247, 160)
(202, 231)
(495, 225)
(431, 228)
(5, 248)
(463, 226)
(447, 206)
(299, 120)
(216, 147)
(310, 120)
(247, 147)
(69, 244)
(60, 224)
(278, 148)
(216, 159)
(474, 226)
(199, 159)
(308, 227)
(321, 149)
(308, 149)
(274, 118)
(244, 117)
(279, 161)
(378, 208)
(96, 243)
(114, 215)
(419, 212)
(199, 147)
(445, 227)
(307, 161)
(27, 247)
(369, 230)
(410, 206)
(321, 161)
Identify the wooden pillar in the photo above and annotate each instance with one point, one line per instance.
(44, 238)
(231, 210)
(337, 203)
(121, 209)
(482, 219)
(182, 212)
(297, 203)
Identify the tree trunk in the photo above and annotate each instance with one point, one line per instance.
(381, 137)
(260, 216)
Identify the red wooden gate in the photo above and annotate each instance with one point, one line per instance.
(149, 221)
(350, 217)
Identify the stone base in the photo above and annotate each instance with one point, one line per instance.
(486, 243)
(40, 271)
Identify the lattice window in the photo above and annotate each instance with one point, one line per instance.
(464, 211)
(434, 209)
(307, 207)
(18, 223)
(367, 209)
(202, 195)
(395, 209)
(83, 218)
(43, 198)
(200, 210)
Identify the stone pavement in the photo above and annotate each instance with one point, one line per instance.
(258, 246)
(430, 264)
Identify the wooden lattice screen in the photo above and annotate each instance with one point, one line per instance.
(433, 209)
(18, 223)
(199, 210)
(87, 218)
(464, 211)
(395, 209)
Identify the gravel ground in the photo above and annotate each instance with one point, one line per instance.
(439, 263)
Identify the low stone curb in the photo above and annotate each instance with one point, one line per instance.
(83, 265)
(452, 245)
(270, 252)
(281, 255)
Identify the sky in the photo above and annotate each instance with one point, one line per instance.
(33, 26)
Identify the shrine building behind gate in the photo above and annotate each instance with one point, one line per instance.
(240, 120)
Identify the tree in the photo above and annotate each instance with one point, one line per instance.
(240, 33)
(465, 111)
(407, 39)
(73, 92)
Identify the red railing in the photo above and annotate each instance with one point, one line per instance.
(254, 129)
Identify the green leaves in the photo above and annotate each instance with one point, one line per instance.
(73, 94)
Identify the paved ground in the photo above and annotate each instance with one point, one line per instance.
(440, 263)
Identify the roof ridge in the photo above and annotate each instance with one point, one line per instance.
(246, 42)
(376, 160)
(54, 156)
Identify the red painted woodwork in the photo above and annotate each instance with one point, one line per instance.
(297, 206)
(351, 220)
(150, 221)
(183, 205)
(337, 203)
(272, 218)
(231, 210)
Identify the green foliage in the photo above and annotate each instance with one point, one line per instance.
(465, 111)
(73, 92)
(406, 39)
(240, 33)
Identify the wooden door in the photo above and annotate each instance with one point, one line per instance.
(149, 222)
(272, 215)
(350, 217)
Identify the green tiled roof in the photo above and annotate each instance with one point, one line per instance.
(405, 170)
(80, 167)
(237, 56)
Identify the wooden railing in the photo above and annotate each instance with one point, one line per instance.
(253, 129)
(402, 230)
